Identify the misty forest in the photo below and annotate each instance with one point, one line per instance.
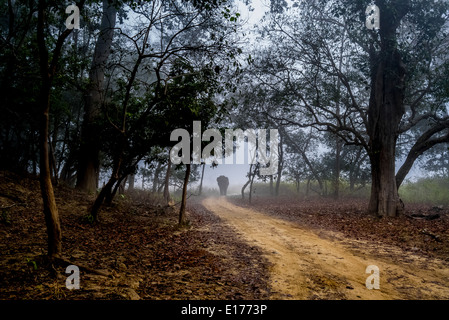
(224, 149)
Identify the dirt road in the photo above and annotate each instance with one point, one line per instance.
(306, 265)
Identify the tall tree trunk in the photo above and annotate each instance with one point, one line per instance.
(280, 165)
(251, 184)
(351, 180)
(122, 140)
(201, 182)
(167, 183)
(35, 153)
(157, 170)
(297, 185)
(337, 140)
(384, 200)
(54, 171)
(247, 182)
(64, 144)
(50, 209)
(337, 168)
(384, 115)
(47, 73)
(385, 110)
(278, 181)
(131, 179)
(308, 187)
(88, 164)
(182, 210)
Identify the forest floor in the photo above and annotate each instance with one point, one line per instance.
(135, 251)
(275, 249)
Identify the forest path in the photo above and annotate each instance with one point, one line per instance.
(305, 265)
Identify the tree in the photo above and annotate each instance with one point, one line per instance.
(200, 188)
(182, 209)
(171, 34)
(88, 162)
(377, 89)
(48, 70)
(167, 198)
(190, 97)
(355, 165)
(19, 71)
(250, 174)
(295, 169)
(437, 160)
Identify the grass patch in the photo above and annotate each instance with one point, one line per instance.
(426, 190)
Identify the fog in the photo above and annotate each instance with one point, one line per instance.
(235, 172)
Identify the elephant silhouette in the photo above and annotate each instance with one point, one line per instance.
(223, 183)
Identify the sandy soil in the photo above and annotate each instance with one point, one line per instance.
(308, 265)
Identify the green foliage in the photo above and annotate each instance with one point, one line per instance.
(189, 95)
(31, 263)
(89, 218)
(229, 16)
(426, 190)
(290, 189)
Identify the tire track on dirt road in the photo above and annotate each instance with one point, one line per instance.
(306, 266)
